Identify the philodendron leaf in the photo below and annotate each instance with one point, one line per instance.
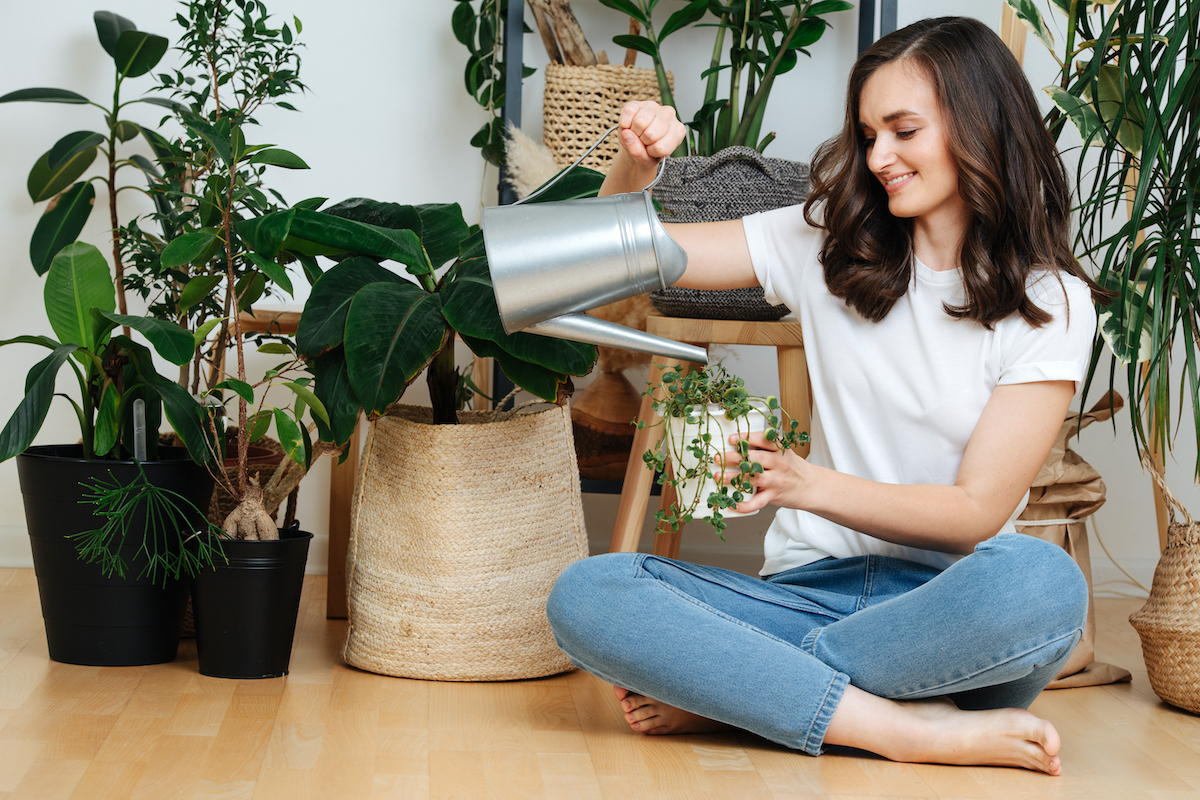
(27, 420)
(170, 341)
(78, 280)
(136, 52)
(43, 95)
(393, 331)
(323, 322)
(1027, 12)
(331, 383)
(61, 225)
(71, 145)
(109, 27)
(349, 236)
(44, 182)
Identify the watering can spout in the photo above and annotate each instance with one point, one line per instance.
(584, 328)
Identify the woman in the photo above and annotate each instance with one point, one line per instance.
(947, 325)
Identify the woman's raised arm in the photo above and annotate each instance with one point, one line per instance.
(718, 257)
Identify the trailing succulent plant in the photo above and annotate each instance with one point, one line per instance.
(688, 404)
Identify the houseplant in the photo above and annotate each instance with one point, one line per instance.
(195, 278)
(763, 40)
(447, 573)
(1129, 84)
(146, 496)
(698, 410)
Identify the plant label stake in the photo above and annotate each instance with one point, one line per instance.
(550, 262)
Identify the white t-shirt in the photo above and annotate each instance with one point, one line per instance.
(896, 401)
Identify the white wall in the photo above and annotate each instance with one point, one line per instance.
(387, 117)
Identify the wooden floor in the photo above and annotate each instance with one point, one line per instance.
(331, 732)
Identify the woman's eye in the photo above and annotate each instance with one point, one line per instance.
(906, 134)
(867, 142)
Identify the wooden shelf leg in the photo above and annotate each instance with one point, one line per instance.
(794, 394)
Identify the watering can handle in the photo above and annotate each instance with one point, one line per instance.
(579, 161)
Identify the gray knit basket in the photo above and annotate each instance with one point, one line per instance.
(735, 182)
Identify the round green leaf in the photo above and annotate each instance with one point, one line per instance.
(109, 27)
(136, 52)
(44, 182)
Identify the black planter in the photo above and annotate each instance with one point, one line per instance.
(245, 607)
(91, 619)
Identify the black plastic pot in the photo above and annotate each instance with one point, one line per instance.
(245, 608)
(91, 619)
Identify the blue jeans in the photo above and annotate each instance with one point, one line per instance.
(774, 656)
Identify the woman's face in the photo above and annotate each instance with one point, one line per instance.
(907, 150)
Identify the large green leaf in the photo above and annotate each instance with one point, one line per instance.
(627, 7)
(78, 280)
(61, 225)
(547, 384)
(469, 305)
(188, 418)
(170, 341)
(44, 95)
(27, 420)
(323, 322)
(684, 17)
(331, 383)
(1114, 103)
(108, 421)
(345, 235)
(440, 227)
(393, 331)
(266, 234)
(137, 52)
(44, 182)
(109, 27)
(71, 145)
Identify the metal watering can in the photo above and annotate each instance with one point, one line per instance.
(550, 262)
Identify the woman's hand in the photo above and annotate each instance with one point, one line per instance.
(649, 132)
(784, 479)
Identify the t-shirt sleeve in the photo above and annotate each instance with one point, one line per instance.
(781, 242)
(1059, 350)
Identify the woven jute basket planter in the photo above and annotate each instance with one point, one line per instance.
(458, 533)
(580, 103)
(1169, 623)
(728, 185)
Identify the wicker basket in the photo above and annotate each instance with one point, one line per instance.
(728, 185)
(458, 533)
(1169, 623)
(581, 103)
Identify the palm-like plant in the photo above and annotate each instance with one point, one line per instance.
(1130, 83)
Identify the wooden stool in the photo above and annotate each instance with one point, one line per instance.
(788, 341)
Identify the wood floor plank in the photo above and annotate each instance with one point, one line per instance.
(331, 731)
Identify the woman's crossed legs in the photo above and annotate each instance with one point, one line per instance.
(831, 653)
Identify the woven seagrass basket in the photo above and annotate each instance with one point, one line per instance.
(580, 103)
(458, 533)
(1169, 623)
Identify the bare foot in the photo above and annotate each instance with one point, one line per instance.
(938, 732)
(649, 716)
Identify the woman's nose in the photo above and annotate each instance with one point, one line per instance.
(880, 155)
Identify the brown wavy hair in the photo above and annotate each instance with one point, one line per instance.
(1009, 175)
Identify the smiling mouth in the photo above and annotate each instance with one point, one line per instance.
(898, 179)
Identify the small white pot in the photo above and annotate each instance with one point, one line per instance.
(681, 434)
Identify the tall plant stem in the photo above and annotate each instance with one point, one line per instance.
(768, 79)
(442, 378)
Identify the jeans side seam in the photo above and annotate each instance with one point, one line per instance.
(1076, 635)
(821, 719)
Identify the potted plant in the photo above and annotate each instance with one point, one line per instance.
(424, 480)
(195, 272)
(116, 498)
(698, 410)
(1128, 84)
(720, 173)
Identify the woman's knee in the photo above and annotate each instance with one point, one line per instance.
(1039, 573)
(585, 593)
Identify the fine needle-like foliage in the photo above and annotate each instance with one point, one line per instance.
(157, 519)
